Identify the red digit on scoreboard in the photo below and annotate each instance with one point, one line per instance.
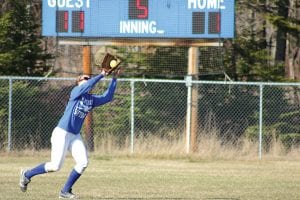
(81, 19)
(66, 20)
(143, 9)
(138, 9)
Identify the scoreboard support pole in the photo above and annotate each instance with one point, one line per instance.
(193, 55)
(87, 70)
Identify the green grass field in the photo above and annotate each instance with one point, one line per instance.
(144, 178)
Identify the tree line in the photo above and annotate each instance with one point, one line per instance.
(266, 44)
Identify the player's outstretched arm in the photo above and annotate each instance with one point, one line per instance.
(86, 87)
(107, 96)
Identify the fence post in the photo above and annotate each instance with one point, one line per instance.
(9, 115)
(260, 119)
(188, 83)
(132, 116)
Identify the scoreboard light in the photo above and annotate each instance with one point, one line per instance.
(139, 18)
(77, 21)
(62, 21)
(198, 22)
(214, 21)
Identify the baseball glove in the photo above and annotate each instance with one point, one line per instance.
(110, 63)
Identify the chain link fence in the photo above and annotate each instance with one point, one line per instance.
(168, 117)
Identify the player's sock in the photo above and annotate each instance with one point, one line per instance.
(40, 169)
(71, 180)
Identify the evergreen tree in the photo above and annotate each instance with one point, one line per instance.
(260, 48)
(20, 41)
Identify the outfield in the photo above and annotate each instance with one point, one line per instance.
(145, 178)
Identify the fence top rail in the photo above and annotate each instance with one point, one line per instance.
(160, 81)
(34, 78)
(249, 83)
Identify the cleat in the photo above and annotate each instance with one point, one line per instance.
(67, 195)
(23, 181)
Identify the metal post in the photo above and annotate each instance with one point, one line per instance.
(132, 116)
(188, 112)
(260, 120)
(9, 116)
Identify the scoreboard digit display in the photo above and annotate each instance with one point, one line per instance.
(138, 9)
(186, 19)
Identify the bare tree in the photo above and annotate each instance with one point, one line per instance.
(292, 53)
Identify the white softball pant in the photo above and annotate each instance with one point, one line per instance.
(62, 142)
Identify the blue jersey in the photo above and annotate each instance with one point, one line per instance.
(81, 102)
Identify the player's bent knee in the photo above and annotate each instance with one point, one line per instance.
(50, 167)
(80, 167)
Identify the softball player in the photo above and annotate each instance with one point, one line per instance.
(66, 136)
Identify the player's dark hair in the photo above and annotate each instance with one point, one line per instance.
(82, 77)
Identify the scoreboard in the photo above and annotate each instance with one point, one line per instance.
(185, 19)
